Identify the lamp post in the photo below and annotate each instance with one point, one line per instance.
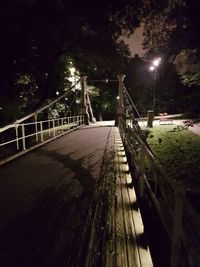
(153, 68)
(151, 113)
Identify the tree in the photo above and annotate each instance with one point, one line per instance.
(174, 32)
(140, 81)
(171, 30)
(37, 35)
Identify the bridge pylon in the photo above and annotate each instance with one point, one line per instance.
(84, 109)
(120, 106)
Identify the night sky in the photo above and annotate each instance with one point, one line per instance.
(135, 42)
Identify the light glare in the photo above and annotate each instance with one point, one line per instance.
(156, 62)
(152, 68)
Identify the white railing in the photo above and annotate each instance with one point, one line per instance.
(178, 215)
(19, 138)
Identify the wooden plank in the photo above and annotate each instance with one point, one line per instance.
(120, 224)
(137, 255)
(122, 233)
(130, 234)
(110, 250)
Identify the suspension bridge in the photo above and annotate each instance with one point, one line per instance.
(73, 191)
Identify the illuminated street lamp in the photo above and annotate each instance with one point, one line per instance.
(156, 62)
(153, 68)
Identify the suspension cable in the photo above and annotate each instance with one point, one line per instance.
(132, 104)
(72, 102)
(90, 108)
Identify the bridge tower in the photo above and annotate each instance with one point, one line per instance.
(84, 110)
(120, 106)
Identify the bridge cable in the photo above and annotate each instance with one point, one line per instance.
(90, 108)
(133, 106)
(73, 100)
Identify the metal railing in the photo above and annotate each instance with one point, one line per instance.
(19, 138)
(178, 215)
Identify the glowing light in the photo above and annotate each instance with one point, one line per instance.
(72, 70)
(57, 93)
(117, 97)
(156, 62)
(152, 68)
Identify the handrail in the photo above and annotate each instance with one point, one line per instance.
(23, 137)
(180, 219)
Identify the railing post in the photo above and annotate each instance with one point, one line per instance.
(177, 228)
(49, 127)
(23, 137)
(41, 132)
(62, 125)
(141, 181)
(36, 128)
(17, 136)
(54, 132)
(120, 106)
(58, 125)
(83, 110)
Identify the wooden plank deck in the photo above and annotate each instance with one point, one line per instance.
(70, 203)
(127, 222)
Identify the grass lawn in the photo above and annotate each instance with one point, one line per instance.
(178, 151)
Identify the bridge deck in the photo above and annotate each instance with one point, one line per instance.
(69, 203)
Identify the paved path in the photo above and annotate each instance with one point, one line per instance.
(195, 129)
(63, 205)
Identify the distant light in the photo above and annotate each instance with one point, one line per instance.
(152, 68)
(57, 93)
(117, 97)
(66, 98)
(72, 70)
(1, 108)
(78, 101)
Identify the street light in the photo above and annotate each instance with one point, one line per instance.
(153, 68)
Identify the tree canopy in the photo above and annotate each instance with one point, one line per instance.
(37, 37)
(171, 30)
(41, 38)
